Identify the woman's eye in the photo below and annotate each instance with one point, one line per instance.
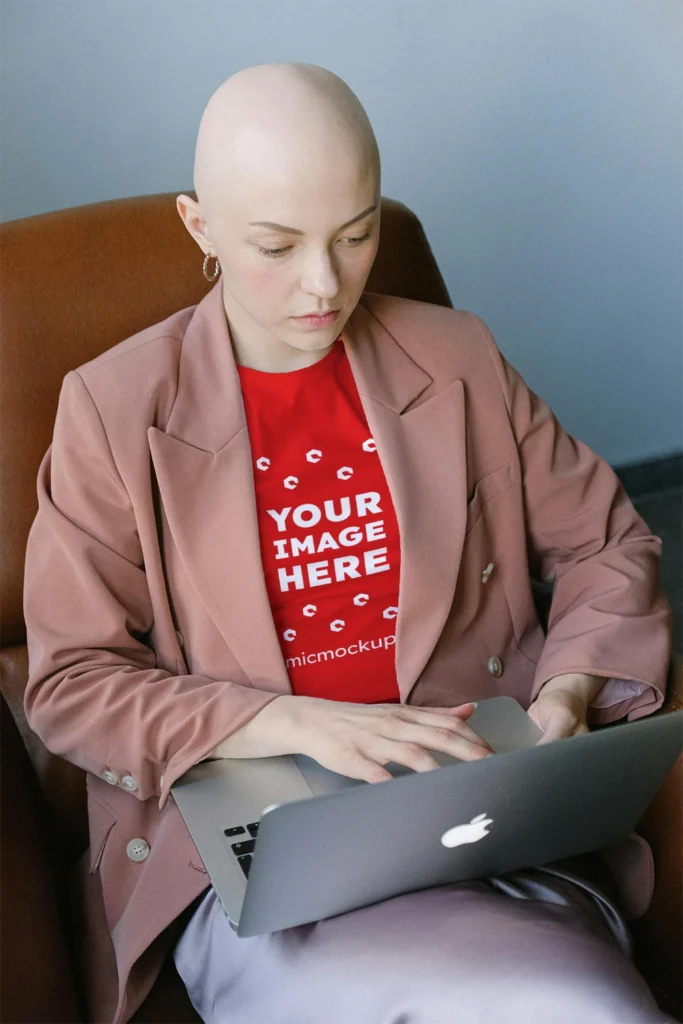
(272, 252)
(355, 242)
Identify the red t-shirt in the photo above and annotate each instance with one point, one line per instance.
(328, 532)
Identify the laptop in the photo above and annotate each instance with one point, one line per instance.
(285, 841)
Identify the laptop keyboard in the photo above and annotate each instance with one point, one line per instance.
(244, 847)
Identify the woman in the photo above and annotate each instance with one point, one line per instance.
(259, 534)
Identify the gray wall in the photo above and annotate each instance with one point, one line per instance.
(540, 143)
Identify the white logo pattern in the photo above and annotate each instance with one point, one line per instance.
(314, 455)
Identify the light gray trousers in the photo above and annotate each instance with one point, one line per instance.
(534, 947)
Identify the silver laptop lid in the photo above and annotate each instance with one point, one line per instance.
(316, 859)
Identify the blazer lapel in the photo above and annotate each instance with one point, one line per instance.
(421, 444)
(203, 464)
(202, 461)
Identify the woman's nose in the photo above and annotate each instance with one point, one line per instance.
(321, 277)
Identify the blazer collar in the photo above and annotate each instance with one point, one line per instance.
(208, 410)
(203, 465)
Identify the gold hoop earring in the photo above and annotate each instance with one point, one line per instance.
(217, 268)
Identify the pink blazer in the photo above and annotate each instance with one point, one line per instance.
(149, 629)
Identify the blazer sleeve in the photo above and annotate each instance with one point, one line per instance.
(609, 616)
(94, 693)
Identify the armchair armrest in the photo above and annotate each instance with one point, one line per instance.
(35, 951)
(658, 935)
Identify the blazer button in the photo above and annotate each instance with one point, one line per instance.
(495, 667)
(137, 849)
(111, 777)
(129, 783)
(179, 635)
(487, 572)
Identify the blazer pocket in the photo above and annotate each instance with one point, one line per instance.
(485, 490)
(101, 821)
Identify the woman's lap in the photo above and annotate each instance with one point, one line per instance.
(461, 952)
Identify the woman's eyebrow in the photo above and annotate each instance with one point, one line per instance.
(295, 231)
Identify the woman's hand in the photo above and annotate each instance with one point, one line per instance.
(561, 707)
(357, 740)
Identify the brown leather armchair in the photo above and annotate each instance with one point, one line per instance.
(74, 283)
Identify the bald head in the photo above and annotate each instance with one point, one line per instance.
(287, 175)
(274, 124)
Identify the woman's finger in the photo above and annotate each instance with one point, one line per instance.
(438, 720)
(443, 739)
(561, 723)
(465, 709)
(459, 710)
(412, 755)
(360, 766)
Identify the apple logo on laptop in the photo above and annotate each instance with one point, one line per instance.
(472, 832)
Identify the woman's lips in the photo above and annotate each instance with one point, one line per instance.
(318, 321)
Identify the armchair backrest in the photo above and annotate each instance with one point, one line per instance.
(74, 283)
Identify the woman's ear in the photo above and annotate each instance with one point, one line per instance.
(191, 215)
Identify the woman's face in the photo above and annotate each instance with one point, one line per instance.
(317, 259)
